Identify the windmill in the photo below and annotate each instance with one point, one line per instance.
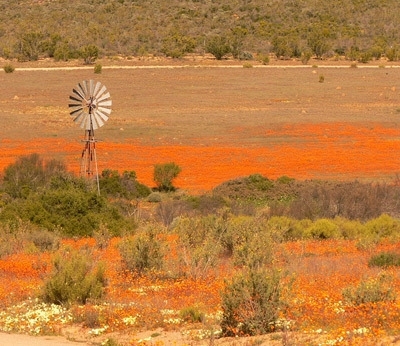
(90, 105)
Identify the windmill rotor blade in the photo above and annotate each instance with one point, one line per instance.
(104, 97)
(90, 104)
(97, 119)
(74, 112)
(79, 93)
(75, 106)
(107, 103)
(104, 110)
(96, 89)
(80, 118)
(100, 116)
(101, 91)
(83, 89)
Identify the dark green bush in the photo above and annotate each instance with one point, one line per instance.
(125, 186)
(385, 259)
(251, 303)
(75, 279)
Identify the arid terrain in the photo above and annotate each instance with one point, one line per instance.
(216, 123)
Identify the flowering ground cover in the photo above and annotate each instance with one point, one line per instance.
(320, 270)
(304, 151)
(217, 124)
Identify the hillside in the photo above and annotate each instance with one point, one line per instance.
(357, 29)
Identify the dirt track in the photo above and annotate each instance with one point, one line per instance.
(26, 340)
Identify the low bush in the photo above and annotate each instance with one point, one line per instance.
(142, 252)
(75, 279)
(199, 244)
(324, 229)
(372, 290)
(383, 226)
(8, 68)
(251, 303)
(98, 68)
(384, 260)
(192, 314)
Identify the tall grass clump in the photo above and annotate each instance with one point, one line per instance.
(75, 279)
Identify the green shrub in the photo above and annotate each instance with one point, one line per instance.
(89, 54)
(350, 229)
(176, 44)
(164, 174)
(143, 252)
(8, 68)
(198, 245)
(372, 290)
(251, 303)
(263, 58)
(124, 186)
(192, 314)
(218, 46)
(385, 259)
(44, 240)
(382, 227)
(98, 68)
(75, 279)
(323, 229)
(154, 197)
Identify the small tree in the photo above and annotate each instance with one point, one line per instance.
(218, 46)
(89, 53)
(164, 174)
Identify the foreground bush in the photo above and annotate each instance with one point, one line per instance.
(143, 252)
(385, 259)
(251, 303)
(75, 279)
(371, 290)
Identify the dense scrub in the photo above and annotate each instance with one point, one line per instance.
(45, 195)
(359, 30)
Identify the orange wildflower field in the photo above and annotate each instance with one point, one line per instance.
(217, 124)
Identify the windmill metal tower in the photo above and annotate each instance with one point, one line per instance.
(90, 105)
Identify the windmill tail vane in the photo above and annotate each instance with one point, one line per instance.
(90, 106)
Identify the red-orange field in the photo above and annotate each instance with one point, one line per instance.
(324, 150)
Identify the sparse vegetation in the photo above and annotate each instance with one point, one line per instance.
(75, 279)
(354, 30)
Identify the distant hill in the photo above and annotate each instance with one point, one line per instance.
(357, 29)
